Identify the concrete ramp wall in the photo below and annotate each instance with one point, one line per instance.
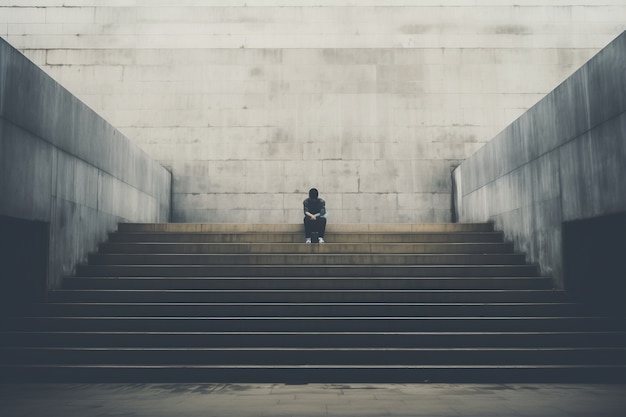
(562, 161)
(62, 164)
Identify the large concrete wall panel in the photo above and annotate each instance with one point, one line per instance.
(563, 160)
(62, 164)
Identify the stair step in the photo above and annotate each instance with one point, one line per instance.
(305, 309)
(306, 259)
(306, 271)
(308, 296)
(310, 356)
(312, 324)
(322, 339)
(298, 237)
(290, 248)
(311, 283)
(266, 228)
(315, 374)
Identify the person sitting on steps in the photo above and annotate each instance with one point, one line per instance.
(314, 216)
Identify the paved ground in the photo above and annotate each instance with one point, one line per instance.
(224, 400)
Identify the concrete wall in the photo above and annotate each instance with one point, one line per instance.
(252, 102)
(563, 160)
(62, 164)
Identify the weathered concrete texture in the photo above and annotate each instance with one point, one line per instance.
(563, 160)
(312, 400)
(63, 164)
(251, 103)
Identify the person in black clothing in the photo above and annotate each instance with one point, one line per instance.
(314, 216)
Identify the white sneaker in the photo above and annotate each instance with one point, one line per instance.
(320, 240)
(308, 240)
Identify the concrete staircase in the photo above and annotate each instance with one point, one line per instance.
(253, 303)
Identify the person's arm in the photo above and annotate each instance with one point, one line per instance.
(322, 209)
(306, 211)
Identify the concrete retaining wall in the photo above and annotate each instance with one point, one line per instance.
(62, 164)
(563, 160)
(250, 103)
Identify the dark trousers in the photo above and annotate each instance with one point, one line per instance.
(318, 225)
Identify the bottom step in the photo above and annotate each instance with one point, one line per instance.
(314, 374)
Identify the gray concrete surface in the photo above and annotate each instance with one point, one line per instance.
(257, 400)
(62, 164)
(563, 160)
(252, 102)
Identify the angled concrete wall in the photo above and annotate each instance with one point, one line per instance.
(62, 164)
(252, 102)
(563, 160)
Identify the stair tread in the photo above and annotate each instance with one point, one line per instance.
(297, 228)
(325, 278)
(618, 332)
(280, 348)
(270, 304)
(320, 318)
(391, 291)
(284, 266)
(329, 366)
(291, 245)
